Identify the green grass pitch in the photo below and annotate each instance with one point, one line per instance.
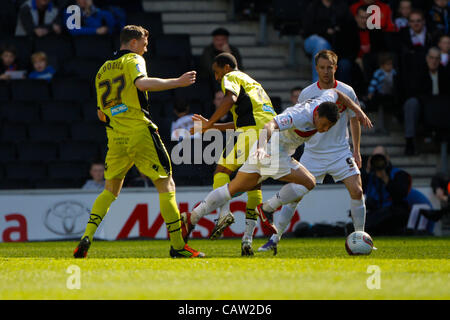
(409, 268)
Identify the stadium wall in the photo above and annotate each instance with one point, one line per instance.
(41, 215)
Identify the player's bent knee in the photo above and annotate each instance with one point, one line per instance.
(356, 194)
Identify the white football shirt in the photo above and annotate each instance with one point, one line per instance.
(334, 140)
(296, 123)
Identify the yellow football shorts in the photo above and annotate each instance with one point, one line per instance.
(143, 148)
(237, 149)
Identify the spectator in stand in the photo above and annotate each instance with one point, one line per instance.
(322, 23)
(386, 189)
(180, 128)
(382, 87)
(218, 98)
(295, 93)
(444, 46)
(38, 18)
(41, 68)
(404, 10)
(415, 38)
(386, 23)
(220, 44)
(94, 21)
(432, 81)
(98, 181)
(8, 62)
(438, 19)
(8, 65)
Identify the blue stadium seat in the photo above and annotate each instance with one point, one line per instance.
(152, 21)
(30, 90)
(68, 170)
(20, 112)
(16, 184)
(5, 93)
(45, 132)
(37, 151)
(61, 111)
(177, 46)
(10, 132)
(7, 151)
(69, 89)
(78, 151)
(26, 170)
(59, 47)
(83, 68)
(89, 110)
(93, 46)
(49, 183)
(88, 131)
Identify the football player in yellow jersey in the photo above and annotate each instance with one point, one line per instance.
(251, 109)
(122, 88)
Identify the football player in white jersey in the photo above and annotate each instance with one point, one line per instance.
(271, 155)
(328, 152)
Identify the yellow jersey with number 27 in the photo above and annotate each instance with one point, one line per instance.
(125, 106)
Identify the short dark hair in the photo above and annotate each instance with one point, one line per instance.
(296, 89)
(131, 32)
(181, 105)
(417, 11)
(225, 58)
(329, 110)
(384, 57)
(220, 32)
(9, 48)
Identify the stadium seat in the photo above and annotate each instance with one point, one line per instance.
(61, 111)
(5, 93)
(65, 89)
(55, 46)
(176, 46)
(152, 21)
(12, 132)
(25, 170)
(20, 112)
(165, 67)
(8, 152)
(16, 184)
(30, 90)
(78, 151)
(93, 46)
(68, 170)
(49, 183)
(45, 132)
(37, 151)
(83, 68)
(88, 131)
(89, 110)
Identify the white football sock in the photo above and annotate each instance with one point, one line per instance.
(286, 214)
(223, 210)
(290, 192)
(213, 200)
(358, 212)
(250, 226)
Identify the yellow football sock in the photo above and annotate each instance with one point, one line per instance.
(254, 198)
(171, 215)
(98, 212)
(220, 179)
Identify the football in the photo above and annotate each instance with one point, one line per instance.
(359, 243)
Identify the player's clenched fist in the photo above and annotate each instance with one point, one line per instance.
(187, 78)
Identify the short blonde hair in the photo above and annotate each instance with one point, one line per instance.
(328, 55)
(37, 56)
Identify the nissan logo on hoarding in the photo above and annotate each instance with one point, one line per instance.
(67, 218)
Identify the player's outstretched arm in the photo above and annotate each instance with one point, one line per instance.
(264, 137)
(204, 121)
(158, 84)
(349, 103)
(228, 101)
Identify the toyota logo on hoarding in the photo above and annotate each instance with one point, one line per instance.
(67, 218)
